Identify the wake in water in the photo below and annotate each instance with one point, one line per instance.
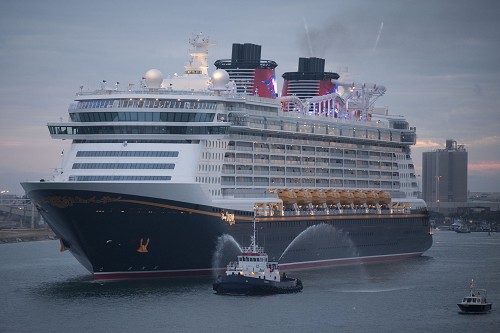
(382, 290)
(227, 249)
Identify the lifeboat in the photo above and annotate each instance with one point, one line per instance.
(359, 197)
(346, 197)
(289, 197)
(332, 197)
(318, 197)
(372, 197)
(384, 198)
(303, 197)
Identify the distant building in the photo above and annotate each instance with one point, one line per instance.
(444, 175)
(484, 196)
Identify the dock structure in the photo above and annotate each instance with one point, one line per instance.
(19, 213)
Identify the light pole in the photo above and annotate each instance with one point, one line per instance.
(419, 194)
(438, 178)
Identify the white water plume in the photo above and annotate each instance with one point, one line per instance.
(321, 231)
(227, 247)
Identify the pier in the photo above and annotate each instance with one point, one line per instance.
(20, 221)
(19, 212)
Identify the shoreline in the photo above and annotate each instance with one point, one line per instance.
(25, 235)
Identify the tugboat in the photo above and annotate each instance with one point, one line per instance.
(475, 302)
(253, 274)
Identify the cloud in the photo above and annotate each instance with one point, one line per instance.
(316, 41)
(487, 140)
(484, 166)
(450, 92)
(429, 144)
(477, 90)
(378, 36)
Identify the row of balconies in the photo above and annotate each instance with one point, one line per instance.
(308, 179)
(345, 132)
(297, 141)
(279, 161)
(319, 151)
(249, 170)
(312, 158)
(298, 174)
(293, 182)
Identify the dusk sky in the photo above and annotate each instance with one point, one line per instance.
(440, 62)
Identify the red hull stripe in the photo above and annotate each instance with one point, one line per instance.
(290, 266)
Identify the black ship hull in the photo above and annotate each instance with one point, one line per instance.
(119, 236)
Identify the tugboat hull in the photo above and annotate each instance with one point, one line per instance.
(474, 308)
(244, 285)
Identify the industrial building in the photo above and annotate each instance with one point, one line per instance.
(444, 177)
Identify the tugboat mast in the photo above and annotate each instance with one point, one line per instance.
(254, 244)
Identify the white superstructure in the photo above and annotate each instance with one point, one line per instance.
(230, 149)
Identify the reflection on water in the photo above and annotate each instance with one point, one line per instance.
(376, 290)
(374, 277)
(84, 287)
(47, 291)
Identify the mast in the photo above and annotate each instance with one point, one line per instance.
(254, 245)
(199, 55)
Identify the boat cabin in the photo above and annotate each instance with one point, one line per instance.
(477, 298)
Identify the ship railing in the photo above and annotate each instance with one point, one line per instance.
(168, 91)
(346, 211)
(146, 91)
(232, 265)
(258, 193)
(246, 250)
(301, 115)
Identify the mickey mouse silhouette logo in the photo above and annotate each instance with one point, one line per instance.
(143, 247)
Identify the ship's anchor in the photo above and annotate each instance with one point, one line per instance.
(143, 247)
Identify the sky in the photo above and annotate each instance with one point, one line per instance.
(438, 59)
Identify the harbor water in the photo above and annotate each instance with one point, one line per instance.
(44, 290)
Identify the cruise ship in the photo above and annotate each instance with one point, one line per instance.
(165, 178)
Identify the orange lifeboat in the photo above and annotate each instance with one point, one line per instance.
(359, 197)
(372, 197)
(303, 197)
(318, 197)
(332, 197)
(384, 198)
(288, 197)
(346, 197)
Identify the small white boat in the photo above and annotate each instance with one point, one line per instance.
(475, 302)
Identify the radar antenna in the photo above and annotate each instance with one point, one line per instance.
(199, 55)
